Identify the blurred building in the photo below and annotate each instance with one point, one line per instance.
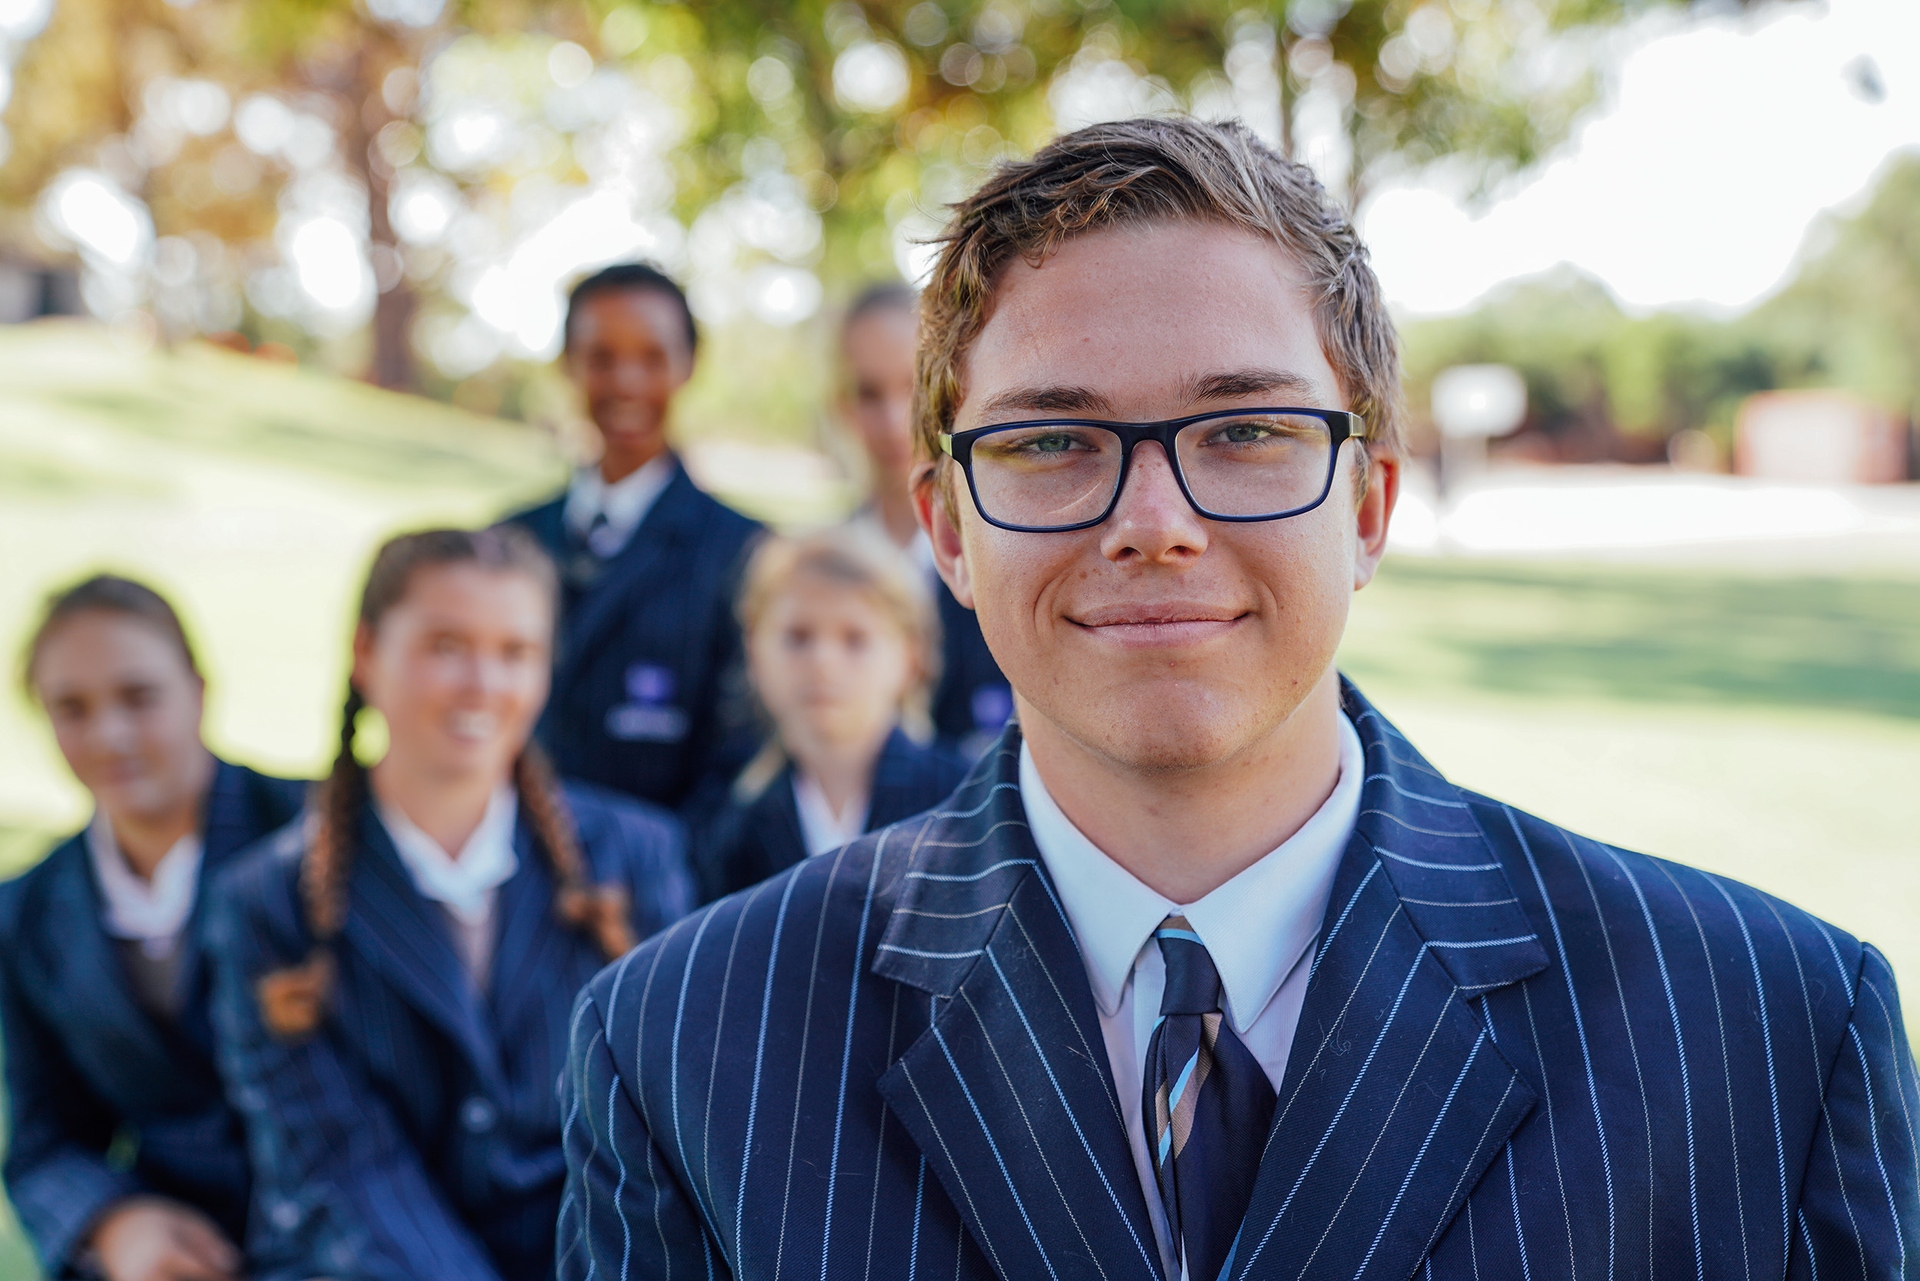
(1820, 437)
(30, 289)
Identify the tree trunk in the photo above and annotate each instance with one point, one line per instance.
(391, 363)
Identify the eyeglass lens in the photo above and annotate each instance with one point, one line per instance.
(1257, 465)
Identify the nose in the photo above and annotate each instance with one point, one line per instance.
(1153, 522)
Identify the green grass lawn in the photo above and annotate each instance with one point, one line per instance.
(1764, 727)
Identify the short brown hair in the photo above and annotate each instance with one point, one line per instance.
(1158, 169)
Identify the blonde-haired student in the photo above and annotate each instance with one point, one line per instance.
(843, 647)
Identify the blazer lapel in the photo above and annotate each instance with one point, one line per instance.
(80, 962)
(531, 941)
(1396, 1098)
(407, 940)
(1008, 1095)
(601, 608)
(227, 826)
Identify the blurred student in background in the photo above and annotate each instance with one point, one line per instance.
(123, 1158)
(393, 977)
(973, 700)
(842, 647)
(648, 561)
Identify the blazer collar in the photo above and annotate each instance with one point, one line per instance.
(1008, 1094)
(1395, 1099)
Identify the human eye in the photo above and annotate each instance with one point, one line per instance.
(1040, 444)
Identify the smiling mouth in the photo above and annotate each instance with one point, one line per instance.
(1158, 628)
(473, 727)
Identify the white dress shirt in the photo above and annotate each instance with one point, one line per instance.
(466, 884)
(1259, 928)
(624, 503)
(822, 827)
(149, 912)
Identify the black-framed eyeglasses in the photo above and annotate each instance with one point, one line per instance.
(1052, 475)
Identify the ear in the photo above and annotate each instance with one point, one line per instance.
(935, 506)
(1373, 513)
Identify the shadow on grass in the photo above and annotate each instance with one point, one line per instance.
(1642, 636)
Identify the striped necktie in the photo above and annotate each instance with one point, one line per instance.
(1208, 1104)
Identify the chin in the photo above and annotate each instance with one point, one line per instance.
(1169, 730)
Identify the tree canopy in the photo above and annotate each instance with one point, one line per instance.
(394, 176)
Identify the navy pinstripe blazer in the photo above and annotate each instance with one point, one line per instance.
(1522, 1055)
(416, 1136)
(87, 1065)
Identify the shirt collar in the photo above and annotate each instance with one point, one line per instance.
(625, 503)
(151, 911)
(821, 827)
(464, 883)
(1256, 927)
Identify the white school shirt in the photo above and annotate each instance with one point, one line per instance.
(467, 884)
(625, 503)
(822, 828)
(148, 912)
(1259, 928)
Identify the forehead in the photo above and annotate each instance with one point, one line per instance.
(628, 314)
(106, 646)
(465, 595)
(1140, 314)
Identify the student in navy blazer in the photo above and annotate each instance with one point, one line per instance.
(1204, 971)
(393, 974)
(842, 647)
(753, 840)
(119, 1139)
(645, 684)
(971, 700)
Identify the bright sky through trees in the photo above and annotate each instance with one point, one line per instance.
(1725, 139)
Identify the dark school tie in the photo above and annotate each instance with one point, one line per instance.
(585, 562)
(1208, 1104)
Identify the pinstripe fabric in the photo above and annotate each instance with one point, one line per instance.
(416, 1135)
(1521, 1055)
(86, 1063)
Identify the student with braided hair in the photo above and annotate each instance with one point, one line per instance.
(394, 974)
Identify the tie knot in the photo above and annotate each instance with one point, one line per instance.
(1193, 985)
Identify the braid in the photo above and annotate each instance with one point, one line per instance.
(293, 999)
(601, 911)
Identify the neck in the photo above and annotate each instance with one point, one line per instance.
(144, 839)
(448, 809)
(893, 504)
(1185, 833)
(617, 466)
(842, 771)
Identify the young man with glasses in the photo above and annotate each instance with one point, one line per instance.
(1204, 972)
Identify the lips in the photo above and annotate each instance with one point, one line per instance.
(473, 727)
(1134, 624)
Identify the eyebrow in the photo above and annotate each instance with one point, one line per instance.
(1234, 383)
(1224, 385)
(1048, 400)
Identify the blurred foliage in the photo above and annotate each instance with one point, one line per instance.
(1849, 319)
(869, 117)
